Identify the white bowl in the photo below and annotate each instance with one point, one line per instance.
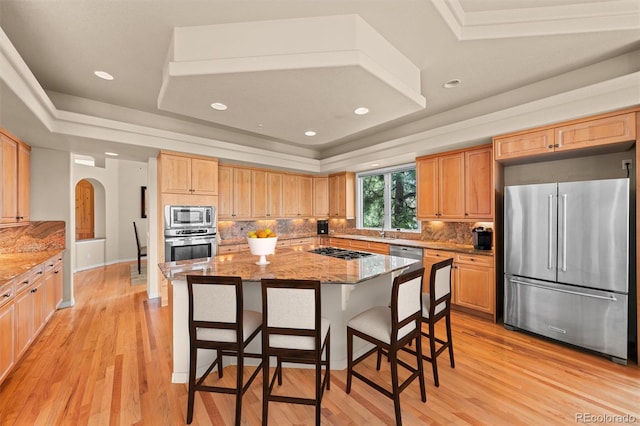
(261, 247)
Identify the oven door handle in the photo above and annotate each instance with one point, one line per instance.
(188, 241)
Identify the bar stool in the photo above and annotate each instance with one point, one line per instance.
(390, 329)
(218, 321)
(437, 305)
(294, 331)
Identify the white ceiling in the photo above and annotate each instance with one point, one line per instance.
(521, 62)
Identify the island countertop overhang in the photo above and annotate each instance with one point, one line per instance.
(288, 263)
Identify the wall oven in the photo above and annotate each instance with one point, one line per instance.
(190, 232)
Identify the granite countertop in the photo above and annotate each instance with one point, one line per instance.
(288, 263)
(460, 248)
(16, 264)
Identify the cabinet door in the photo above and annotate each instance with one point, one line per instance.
(427, 179)
(204, 176)
(619, 128)
(258, 193)
(50, 301)
(24, 322)
(432, 257)
(9, 180)
(524, 144)
(479, 184)
(58, 282)
(24, 182)
(290, 199)
(337, 196)
(274, 195)
(7, 354)
(175, 174)
(475, 287)
(38, 293)
(451, 186)
(321, 197)
(241, 194)
(225, 189)
(305, 196)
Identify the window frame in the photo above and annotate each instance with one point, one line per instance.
(386, 172)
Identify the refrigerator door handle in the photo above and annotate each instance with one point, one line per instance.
(564, 232)
(595, 296)
(550, 236)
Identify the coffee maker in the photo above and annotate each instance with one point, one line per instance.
(323, 227)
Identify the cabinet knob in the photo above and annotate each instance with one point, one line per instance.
(34, 290)
(550, 146)
(6, 295)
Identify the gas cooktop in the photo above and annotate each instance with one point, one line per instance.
(340, 253)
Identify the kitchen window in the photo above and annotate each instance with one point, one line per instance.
(387, 199)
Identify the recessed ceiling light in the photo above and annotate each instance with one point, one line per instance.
(113, 154)
(103, 75)
(219, 106)
(375, 165)
(310, 133)
(452, 83)
(361, 111)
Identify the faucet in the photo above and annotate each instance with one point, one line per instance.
(381, 232)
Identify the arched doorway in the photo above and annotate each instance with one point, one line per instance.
(85, 214)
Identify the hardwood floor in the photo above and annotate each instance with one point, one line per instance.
(107, 361)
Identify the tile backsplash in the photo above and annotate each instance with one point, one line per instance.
(446, 232)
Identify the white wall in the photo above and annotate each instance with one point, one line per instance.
(132, 175)
(50, 194)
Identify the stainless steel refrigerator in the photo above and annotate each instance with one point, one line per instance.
(566, 248)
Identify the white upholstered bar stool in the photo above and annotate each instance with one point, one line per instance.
(436, 305)
(217, 321)
(294, 331)
(390, 329)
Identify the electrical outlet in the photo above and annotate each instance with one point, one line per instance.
(626, 163)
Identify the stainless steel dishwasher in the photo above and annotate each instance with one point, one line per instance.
(409, 252)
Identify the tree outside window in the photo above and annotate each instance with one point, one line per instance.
(388, 199)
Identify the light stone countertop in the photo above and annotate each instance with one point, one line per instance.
(288, 263)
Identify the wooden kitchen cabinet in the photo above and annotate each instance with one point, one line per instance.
(603, 131)
(235, 193)
(342, 195)
(7, 327)
(266, 188)
(456, 186)
(594, 132)
(432, 257)
(186, 174)
(475, 283)
(15, 163)
(52, 285)
(29, 306)
(298, 196)
(472, 280)
(524, 144)
(369, 246)
(320, 196)
(478, 183)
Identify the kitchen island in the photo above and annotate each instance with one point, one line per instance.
(348, 288)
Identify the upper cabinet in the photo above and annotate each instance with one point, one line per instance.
(456, 185)
(603, 132)
(321, 196)
(267, 194)
(298, 198)
(235, 197)
(342, 187)
(15, 165)
(185, 174)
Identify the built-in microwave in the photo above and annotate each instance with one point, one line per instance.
(176, 217)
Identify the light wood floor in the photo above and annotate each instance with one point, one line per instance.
(106, 361)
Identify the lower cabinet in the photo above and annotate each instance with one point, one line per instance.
(26, 304)
(7, 324)
(472, 280)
